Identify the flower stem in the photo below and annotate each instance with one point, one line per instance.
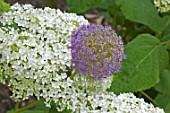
(72, 76)
(16, 106)
(29, 106)
(148, 97)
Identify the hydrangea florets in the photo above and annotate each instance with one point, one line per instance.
(96, 51)
(162, 5)
(35, 48)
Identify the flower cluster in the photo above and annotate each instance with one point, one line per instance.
(89, 96)
(35, 48)
(96, 51)
(163, 5)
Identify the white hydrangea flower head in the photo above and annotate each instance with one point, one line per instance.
(36, 57)
(36, 53)
(85, 96)
(162, 5)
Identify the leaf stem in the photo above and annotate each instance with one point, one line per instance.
(148, 97)
(165, 42)
(29, 106)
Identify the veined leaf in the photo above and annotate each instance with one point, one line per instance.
(142, 11)
(141, 68)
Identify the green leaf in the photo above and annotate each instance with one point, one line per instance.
(165, 36)
(41, 106)
(3, 6)
(107, 4)
(163, 59)
(54, 110)
(164, 85)
(140, 70)
(167, 108)
(162, 100)
(142, 11)
(80, 6)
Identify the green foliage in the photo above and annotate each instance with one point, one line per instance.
(54, 110)
(164, 85)
(142, 11)
(50, 3)
(163, 59)
(141, 68)
(41, 107)
(3, 6)
(162, 100)
(80, 6)
(167, 108)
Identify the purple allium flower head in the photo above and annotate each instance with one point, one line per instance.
(96, 51)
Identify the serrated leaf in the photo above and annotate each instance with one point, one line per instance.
(141, 68)
(80, 6)
(162, 100)
(164, 85)
(142, 11)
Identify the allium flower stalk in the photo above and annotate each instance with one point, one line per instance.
(162, 5)
(96, 51)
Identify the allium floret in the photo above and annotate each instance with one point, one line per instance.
(96, 51)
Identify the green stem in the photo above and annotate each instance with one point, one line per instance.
(16, 106)
(29, 106)
(147, 96)
(72, 76)
(167, 42)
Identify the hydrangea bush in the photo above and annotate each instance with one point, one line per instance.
(50, 55)
(162, 5)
